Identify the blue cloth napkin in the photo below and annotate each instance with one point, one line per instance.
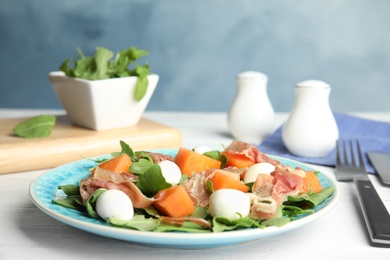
(373, 136)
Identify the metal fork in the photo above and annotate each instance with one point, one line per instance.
(375, 214)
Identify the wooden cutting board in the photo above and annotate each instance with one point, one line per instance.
(69, 143)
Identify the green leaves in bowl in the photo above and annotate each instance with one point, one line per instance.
(103, 65)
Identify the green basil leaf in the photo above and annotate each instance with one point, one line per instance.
(36, 127)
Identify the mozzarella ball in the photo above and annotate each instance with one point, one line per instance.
(202, 149)
(254, 171)
(170, 171)
(114, 204)
(228, 202)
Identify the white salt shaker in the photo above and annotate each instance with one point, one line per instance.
(311, 129)
(251, 116)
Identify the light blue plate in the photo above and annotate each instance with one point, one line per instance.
(44, 189)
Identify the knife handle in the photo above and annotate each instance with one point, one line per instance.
(376, 216)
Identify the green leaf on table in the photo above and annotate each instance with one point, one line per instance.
(36, 127)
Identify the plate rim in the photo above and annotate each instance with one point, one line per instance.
(181, 240)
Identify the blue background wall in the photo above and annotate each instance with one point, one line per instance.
(198, 48)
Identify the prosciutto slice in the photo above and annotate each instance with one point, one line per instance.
(263, 185)
(196, 188)
(197, 185)
(250, 151)
(159, 157)
(263, 207)
(109, 180)
(180, 221)
(270, 191)
(286, 183)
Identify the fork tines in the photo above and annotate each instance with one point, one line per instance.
(349, 159)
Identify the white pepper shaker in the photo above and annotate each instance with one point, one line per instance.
(251, 116)
(311, 129)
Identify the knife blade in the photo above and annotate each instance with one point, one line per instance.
(381, 162)
(375, 214)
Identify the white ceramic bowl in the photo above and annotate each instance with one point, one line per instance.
(101, 104)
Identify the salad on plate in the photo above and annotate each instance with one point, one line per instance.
(196, 190)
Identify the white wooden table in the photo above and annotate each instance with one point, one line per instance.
(28, 233)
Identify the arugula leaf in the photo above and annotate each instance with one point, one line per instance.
(73, 199)
(278, 221)
(209, 185)
(70, 189)
(186, 226)
(141, 87)
(36, 127)
(217, 155)
(183, 178)
(148, 211)
(91, 203)
(320, 196)
(199, 212)
(293, 211)
(102, 66)
(127, 150)
(152, 181)
(134, 54)
(141, 160)
(311, 200)
(138, 222)
(66, 69)
(71, 203)
(223, 224)
(141, 166)
(102, 58)
(143, 155)
(96, 160)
